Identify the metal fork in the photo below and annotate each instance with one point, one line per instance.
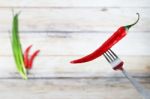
(117, 64)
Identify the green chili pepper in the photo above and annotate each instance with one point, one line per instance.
(17, 49)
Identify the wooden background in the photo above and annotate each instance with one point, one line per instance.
(65, 30)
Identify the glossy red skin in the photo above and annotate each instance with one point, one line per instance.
(29, 61)
(32, 58)
(117, 36)
(26, 53)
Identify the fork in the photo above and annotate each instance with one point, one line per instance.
(117, 64)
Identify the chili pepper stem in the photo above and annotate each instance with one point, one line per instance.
(27, 71)
(129, 26)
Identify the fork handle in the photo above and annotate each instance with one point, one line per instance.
(137, 85)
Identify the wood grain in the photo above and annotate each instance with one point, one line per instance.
(75, 3)
(65, 30)
(75, 19)
(108, 88)
(59, 66)
(77, 43)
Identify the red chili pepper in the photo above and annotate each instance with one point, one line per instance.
(26, 57)
(29, 61)
(117, 36)
(32, 58)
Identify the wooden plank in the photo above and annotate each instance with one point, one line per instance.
(77, 43)
(59, 66)
(75, 3)
(73, 89)
(75, 19)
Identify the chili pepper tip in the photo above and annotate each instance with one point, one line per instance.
(72, 62)
(32, 58)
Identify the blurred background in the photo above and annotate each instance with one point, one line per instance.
(68, 29)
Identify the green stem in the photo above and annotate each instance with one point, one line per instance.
(128, 26)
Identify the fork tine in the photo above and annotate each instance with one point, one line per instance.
(113, 53)
(117, 64)
(109, 55)
(106, 56)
